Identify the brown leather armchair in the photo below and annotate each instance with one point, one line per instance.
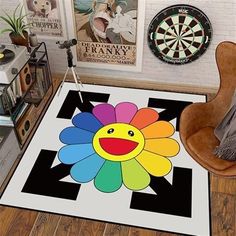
(198, 121)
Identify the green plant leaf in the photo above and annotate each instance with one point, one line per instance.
(21, 20)
(8, 22)
(5, 30)
(16, 23)
(27, 26)
(14, 13)
(17, 19)
(21, 33)
(21, 11)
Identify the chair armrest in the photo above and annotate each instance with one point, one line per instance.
(195, 117)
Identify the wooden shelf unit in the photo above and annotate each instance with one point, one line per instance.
(30, 92)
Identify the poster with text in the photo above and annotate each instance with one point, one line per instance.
(107, 31)
(46, 18)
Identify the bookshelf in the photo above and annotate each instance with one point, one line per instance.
(25, 97)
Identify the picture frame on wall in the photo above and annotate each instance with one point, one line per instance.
(47, 18)
(109, 33)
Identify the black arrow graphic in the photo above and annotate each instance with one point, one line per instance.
(173, 109)
(175, 199)
(73, 101)
(44, 180)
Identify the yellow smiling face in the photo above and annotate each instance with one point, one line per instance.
(118, 142)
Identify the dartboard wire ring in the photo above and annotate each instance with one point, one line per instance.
(177, 35)
(179, 40)
(190, 45)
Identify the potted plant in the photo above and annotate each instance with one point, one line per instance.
(17, 26)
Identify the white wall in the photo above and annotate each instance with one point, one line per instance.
(202, 72)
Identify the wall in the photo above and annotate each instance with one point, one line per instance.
(202, 72)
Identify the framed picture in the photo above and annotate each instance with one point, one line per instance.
(109, 32)
(47, 18)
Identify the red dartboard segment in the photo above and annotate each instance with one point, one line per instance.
(179, 34)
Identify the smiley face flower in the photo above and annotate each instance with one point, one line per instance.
(115, 145)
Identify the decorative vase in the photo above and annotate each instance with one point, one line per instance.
(33, 41)
(17, 39)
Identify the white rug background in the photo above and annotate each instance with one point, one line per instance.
(113, 207)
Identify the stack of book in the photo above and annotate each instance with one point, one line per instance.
(11, 106)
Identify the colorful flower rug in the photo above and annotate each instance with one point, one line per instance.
(116, 156)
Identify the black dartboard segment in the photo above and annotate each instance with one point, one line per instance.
(179, 34)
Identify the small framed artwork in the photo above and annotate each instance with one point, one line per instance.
(109, 32)
(47, 18)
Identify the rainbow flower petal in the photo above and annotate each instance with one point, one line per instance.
(74, 135)
(154, 164)
(159, 129)
(109, 178)
(125, 112)
(144, 117)
(105, 113)
(87, 121)
(71, 154)
(86, 170)
(110, 169)
(135, 177)
(163, 146)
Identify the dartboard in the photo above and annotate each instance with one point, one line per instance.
(179, 34)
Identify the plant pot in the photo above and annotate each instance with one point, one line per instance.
(17, 39)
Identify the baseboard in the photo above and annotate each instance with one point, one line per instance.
(143, 84)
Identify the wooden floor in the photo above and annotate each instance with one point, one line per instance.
(15, 221)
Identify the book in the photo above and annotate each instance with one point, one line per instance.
(44, 66)
(40, 73)
(6, 121)
(19, 111)
(18, 87)
(40, 80)
(5, 101)
(11, 96)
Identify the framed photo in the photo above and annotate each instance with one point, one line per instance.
(109, 32)
(47, 18)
